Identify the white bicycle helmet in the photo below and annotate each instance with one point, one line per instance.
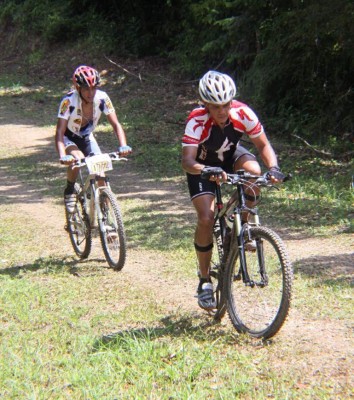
(217, 88)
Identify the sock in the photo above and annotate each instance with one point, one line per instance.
(201, 281)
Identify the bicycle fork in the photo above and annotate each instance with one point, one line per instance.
(98, 206)
(92, 202)
(241, 231)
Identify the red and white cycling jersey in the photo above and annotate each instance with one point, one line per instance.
(70, 108)
(216, 145)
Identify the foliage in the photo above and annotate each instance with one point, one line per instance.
(292, 60)
(302, 73)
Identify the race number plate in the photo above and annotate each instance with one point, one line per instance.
(99, 163)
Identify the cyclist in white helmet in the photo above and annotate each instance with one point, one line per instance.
(78, 116)
(211, 138)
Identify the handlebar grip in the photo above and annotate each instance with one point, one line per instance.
(207, 172)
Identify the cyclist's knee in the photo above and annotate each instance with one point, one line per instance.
(249, 164)
(252, 197)
(256, 169)
(75, 152)
(205, 221)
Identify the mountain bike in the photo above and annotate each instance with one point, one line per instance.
(97, 210)
(252, 271)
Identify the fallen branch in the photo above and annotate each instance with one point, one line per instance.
(322, 152)
(124, 69)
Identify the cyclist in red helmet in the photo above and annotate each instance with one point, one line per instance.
(78, 116)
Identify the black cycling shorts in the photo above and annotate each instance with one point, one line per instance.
(87, 144)
(198, 186)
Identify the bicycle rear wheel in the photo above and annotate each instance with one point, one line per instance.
(78, 227)
(112, 236)
(259, 307)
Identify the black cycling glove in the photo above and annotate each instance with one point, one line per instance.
(276, 173)
(207, 172)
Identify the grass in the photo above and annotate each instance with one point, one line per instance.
(76, 330)
(57, 353)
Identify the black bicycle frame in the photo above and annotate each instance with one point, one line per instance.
(219, 228)
(219, 222)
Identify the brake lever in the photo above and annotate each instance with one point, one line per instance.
(288, 177)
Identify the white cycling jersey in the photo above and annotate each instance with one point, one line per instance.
(70, 108)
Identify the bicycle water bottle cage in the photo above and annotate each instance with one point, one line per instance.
(207, 172)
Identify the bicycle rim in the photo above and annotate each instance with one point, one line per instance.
(112, 236)
(79, 231)
(260, 308)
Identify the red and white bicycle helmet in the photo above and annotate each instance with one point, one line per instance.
(86, 76)
(217, 88)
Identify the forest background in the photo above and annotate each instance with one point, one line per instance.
(292, 60)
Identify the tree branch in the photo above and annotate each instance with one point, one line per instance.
(124, 69)
(323, 153)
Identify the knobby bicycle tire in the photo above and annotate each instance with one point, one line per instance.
(78, 227)
(259, 309)
(113, 238)
(217, 268)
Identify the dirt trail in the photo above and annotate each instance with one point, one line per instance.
(325, 344)
(49, 212)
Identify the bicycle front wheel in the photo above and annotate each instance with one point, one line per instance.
(112, 230)
(220, 248)
(259, 306)
(78, 227)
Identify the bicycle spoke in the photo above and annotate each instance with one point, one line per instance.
(260, 306)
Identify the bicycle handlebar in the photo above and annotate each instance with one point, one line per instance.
(240, 176)
(82, 162)
(260, 180)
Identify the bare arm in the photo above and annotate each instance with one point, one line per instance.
(59, 136)
(189, 162)
(118, 129)
(269, 158)
(265, 150)
(192, 166)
